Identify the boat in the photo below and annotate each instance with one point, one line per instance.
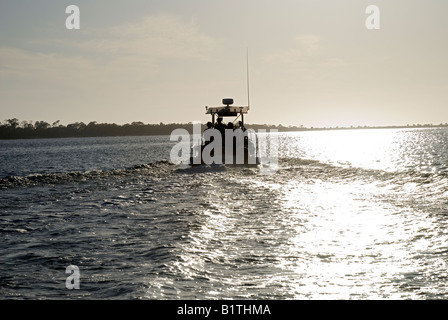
(226, 146)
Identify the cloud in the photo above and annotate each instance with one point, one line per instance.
(309, 43)
(155, 37)
(131, 49)
(25, 71)
(305, 52)
(301, 50)
(105, 69)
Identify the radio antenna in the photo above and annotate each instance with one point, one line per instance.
(247, 77)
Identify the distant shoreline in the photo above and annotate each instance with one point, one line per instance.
(13, 129)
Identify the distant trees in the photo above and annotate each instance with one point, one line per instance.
(14, 129)
(13, 123)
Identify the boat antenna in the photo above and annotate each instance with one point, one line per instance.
(247, 77)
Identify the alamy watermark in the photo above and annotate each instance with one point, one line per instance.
(230, 146)
(73, 280)
(73, 21)
(373, 20)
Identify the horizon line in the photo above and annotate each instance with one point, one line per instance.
(58, 123)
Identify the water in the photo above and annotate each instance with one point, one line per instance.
(355, 214)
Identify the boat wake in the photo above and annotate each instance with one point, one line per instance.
(288, 168)
(154, 168)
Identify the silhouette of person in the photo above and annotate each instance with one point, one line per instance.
(221, 127)
(209, 127)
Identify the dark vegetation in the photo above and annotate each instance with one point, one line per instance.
(14, 129)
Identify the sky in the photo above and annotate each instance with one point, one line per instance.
(311, 62)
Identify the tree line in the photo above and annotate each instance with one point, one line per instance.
(15, 129)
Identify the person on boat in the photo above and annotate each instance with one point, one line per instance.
(230, 126)
(221, 127)
(209, 127)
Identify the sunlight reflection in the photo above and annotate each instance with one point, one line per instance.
(383, 149)
(347, 244)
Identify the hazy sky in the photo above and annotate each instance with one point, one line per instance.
(312, 62)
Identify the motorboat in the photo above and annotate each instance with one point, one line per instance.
(230, 144)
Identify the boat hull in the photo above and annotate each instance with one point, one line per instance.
(249, 160)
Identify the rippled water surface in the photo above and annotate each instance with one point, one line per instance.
(349, 214)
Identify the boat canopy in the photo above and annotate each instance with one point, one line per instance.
(227, 111)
